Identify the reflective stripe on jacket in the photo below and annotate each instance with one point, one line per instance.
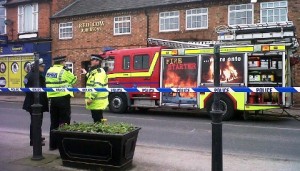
(58, 77)
(97, 78)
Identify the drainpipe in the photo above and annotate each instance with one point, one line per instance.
(147, 27)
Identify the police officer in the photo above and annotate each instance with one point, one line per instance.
(60, 108)
(96, 78)
(29, 98)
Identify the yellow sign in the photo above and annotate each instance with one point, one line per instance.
(277, 48)
(26, 60)
(91, 26)
(199, 51)
(169, 52)
(4, 72)
(14, 72)
(237, 49)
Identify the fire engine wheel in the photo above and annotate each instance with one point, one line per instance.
(226, 106)
(118, 103)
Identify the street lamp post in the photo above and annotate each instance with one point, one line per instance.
(36, 116)
(216, 113)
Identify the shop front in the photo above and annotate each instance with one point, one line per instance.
(15, 59)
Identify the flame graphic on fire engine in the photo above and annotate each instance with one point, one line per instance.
(227, 72)
(174, 80)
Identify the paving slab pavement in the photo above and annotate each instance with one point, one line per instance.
(16, 153)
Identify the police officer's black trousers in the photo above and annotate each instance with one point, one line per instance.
(97, 115)
(60, 113)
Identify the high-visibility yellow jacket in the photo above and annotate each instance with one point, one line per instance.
(58, 77)
(97, 78)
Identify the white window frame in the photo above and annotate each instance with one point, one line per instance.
(65, 27)
(273, 8)
(5, 16)
(229, 11)
(35, 18)
(169, 17)
(199, 14)
(121, 22)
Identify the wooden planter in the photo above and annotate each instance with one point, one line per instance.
(90, 150)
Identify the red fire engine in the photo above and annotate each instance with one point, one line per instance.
(253, 56)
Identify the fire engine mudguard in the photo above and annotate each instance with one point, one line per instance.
(118, 102)
(226, 105)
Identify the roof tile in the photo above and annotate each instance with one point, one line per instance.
(82, 7)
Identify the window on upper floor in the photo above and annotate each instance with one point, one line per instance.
(169, 21)
(28, 18)
(122, 25)
(197, 18)
(240, 14)
(2, 18)
(66, 30)
(271, 12)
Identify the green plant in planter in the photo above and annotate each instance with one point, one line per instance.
(94, 145)
(100, 127)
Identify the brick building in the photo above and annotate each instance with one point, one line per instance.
(86, 27)
(25, 27)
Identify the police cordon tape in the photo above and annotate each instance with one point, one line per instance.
(162, 90)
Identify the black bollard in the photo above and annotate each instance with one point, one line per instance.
(217, 149)
(36, 116)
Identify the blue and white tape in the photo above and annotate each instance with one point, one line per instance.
(163, 90)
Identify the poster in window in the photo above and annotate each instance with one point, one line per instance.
(180, 72)
(3, 72)
(26, 61)
(14, 72)
(231, 68)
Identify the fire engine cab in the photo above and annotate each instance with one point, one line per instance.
(251, 56)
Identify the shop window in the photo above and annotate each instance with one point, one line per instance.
(2, 18)
(126, 62)
(122, 25)
(240, 14)
(169, 21)
(66, 30)
(141, 62)
(197, 18)
(70, 66)
(28, 18)
(274, 12)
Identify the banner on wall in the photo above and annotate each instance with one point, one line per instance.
(3, 72)
(180, 72)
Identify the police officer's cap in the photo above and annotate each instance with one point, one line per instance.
(96, 57)
(41, 62)
(59, 58)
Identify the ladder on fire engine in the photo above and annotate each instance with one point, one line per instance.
(283, 33)
(178, 44)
